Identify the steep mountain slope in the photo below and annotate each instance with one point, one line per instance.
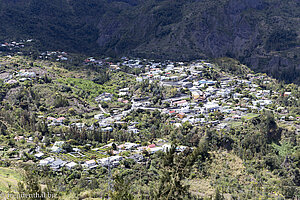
(263, 34)
(55, 24)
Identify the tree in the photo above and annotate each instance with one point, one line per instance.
(49, 190)
(269, 127)
(67, 147)
(174, 169)
(30, 187)
(60, 101)
(219, 195)
(114, 146)
(121, 189)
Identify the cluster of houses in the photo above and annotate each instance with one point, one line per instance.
(92, 60)
(18, 76)
(14, 46)
(229, 95)
(57, 163)
(136, 154)
(217, 102)
(54, 55)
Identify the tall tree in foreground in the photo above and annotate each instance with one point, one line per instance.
(176, 167)
(121, 189)
(30, 187)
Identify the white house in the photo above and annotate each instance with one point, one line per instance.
(47, 161)
(107, 129)
(39, 155)
(58, 163)
(133, 130)
(211, 107)
(90, 164)
(56, 149)
(71, 165)
(58, 143)
(166, 147)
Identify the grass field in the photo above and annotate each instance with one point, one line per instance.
(9, 176)
(235, 124)
(250, 116)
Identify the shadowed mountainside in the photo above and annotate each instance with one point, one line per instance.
(263, 34)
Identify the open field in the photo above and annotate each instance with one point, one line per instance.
(9, 176)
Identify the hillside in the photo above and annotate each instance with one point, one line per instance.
(264, 34)
(142, 129)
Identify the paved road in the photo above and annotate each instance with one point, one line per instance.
(177, 98)
(146, 108)
(176, 83)
(102, 109)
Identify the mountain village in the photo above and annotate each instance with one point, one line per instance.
(203, 95)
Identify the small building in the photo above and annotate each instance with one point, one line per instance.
(39, 155)
(181, 103)
(124, 90)
(56, 149)
(107, 129)
(19, 138)
(76, 150)
(133, 130)
(198, 95)
(286, 94)
(90, 164)
(166, 147)
(58, 163)
(211, 107)
(47, 161)
(71, 165)
(123, 93)
(180, 115)
(59, 143)
(151, 146)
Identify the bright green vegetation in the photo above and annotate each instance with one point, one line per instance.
(9, 178)
(90, 90)
(251, 116)
(81, 86)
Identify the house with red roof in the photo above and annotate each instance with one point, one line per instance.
(151, 146)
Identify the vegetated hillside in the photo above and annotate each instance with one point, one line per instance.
(254, 157)
(55, 24)
(263, 34)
